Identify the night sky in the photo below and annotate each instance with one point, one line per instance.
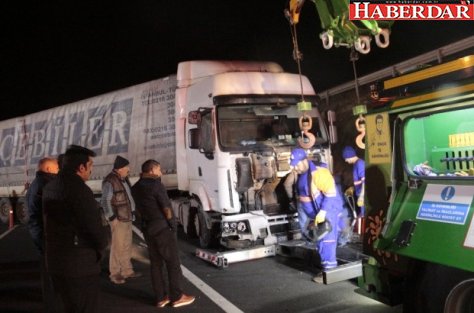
(57, 52)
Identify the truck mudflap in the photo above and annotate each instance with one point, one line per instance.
(349, 257)
(223, 259)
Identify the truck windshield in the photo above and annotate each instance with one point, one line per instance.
(440, 144)
(243, 127)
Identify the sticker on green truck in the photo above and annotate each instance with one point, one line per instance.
(446, 204)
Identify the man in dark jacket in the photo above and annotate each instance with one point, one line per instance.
(159, 229)
(74, 235)
(47, 170)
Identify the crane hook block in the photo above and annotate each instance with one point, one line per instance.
(304, 106)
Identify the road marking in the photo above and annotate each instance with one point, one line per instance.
(8, 231)
(216, 297)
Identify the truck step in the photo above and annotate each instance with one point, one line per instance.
(349, 257)
(342, 272)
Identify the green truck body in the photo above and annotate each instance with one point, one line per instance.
(419, 226)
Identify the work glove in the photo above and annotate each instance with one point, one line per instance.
(320, 217)
(349, 191)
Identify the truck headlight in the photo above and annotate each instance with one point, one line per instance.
(241, 227)
(225, 227)
(235, 227)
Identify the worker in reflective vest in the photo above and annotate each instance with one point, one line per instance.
(321, 202)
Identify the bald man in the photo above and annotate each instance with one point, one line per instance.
(47, 170)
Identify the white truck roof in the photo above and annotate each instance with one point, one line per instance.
(192, 70)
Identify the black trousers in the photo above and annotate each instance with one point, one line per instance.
(163, 249)
(79, 294)
(51, 300)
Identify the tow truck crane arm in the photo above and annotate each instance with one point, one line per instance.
(339, 30)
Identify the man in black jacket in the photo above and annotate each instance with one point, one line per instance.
(47, 170)
(74, 235)
(159, 229)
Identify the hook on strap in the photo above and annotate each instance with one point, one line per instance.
(360, 126)
(306, 123)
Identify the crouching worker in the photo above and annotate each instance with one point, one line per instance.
(321, 203)
(159, 229)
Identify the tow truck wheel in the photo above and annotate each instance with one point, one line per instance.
(21, 211)
(432, 287)
(461, 298)
(5, 206)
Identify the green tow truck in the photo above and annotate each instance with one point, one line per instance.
(419, 223)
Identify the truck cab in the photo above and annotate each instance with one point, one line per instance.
(236, 124)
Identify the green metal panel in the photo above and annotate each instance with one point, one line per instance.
(437, 242)
(433, 136)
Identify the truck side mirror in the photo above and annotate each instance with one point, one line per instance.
(194, 138)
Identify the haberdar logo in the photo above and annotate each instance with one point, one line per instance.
(411, 10)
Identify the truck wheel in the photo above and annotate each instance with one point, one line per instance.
(207, 237)
(435, 288)
(5, 206)
(461, 298)
(192, 228)
(21, 211)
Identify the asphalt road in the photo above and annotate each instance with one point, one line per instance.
(273, 284)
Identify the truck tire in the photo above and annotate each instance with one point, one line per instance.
(433, 288)
(5, 206)
(192, 227)
(21, 211)
(207, 237)
(461, 298)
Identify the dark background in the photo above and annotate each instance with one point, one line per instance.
(57, 52)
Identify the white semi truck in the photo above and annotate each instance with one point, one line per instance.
(222, 131)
